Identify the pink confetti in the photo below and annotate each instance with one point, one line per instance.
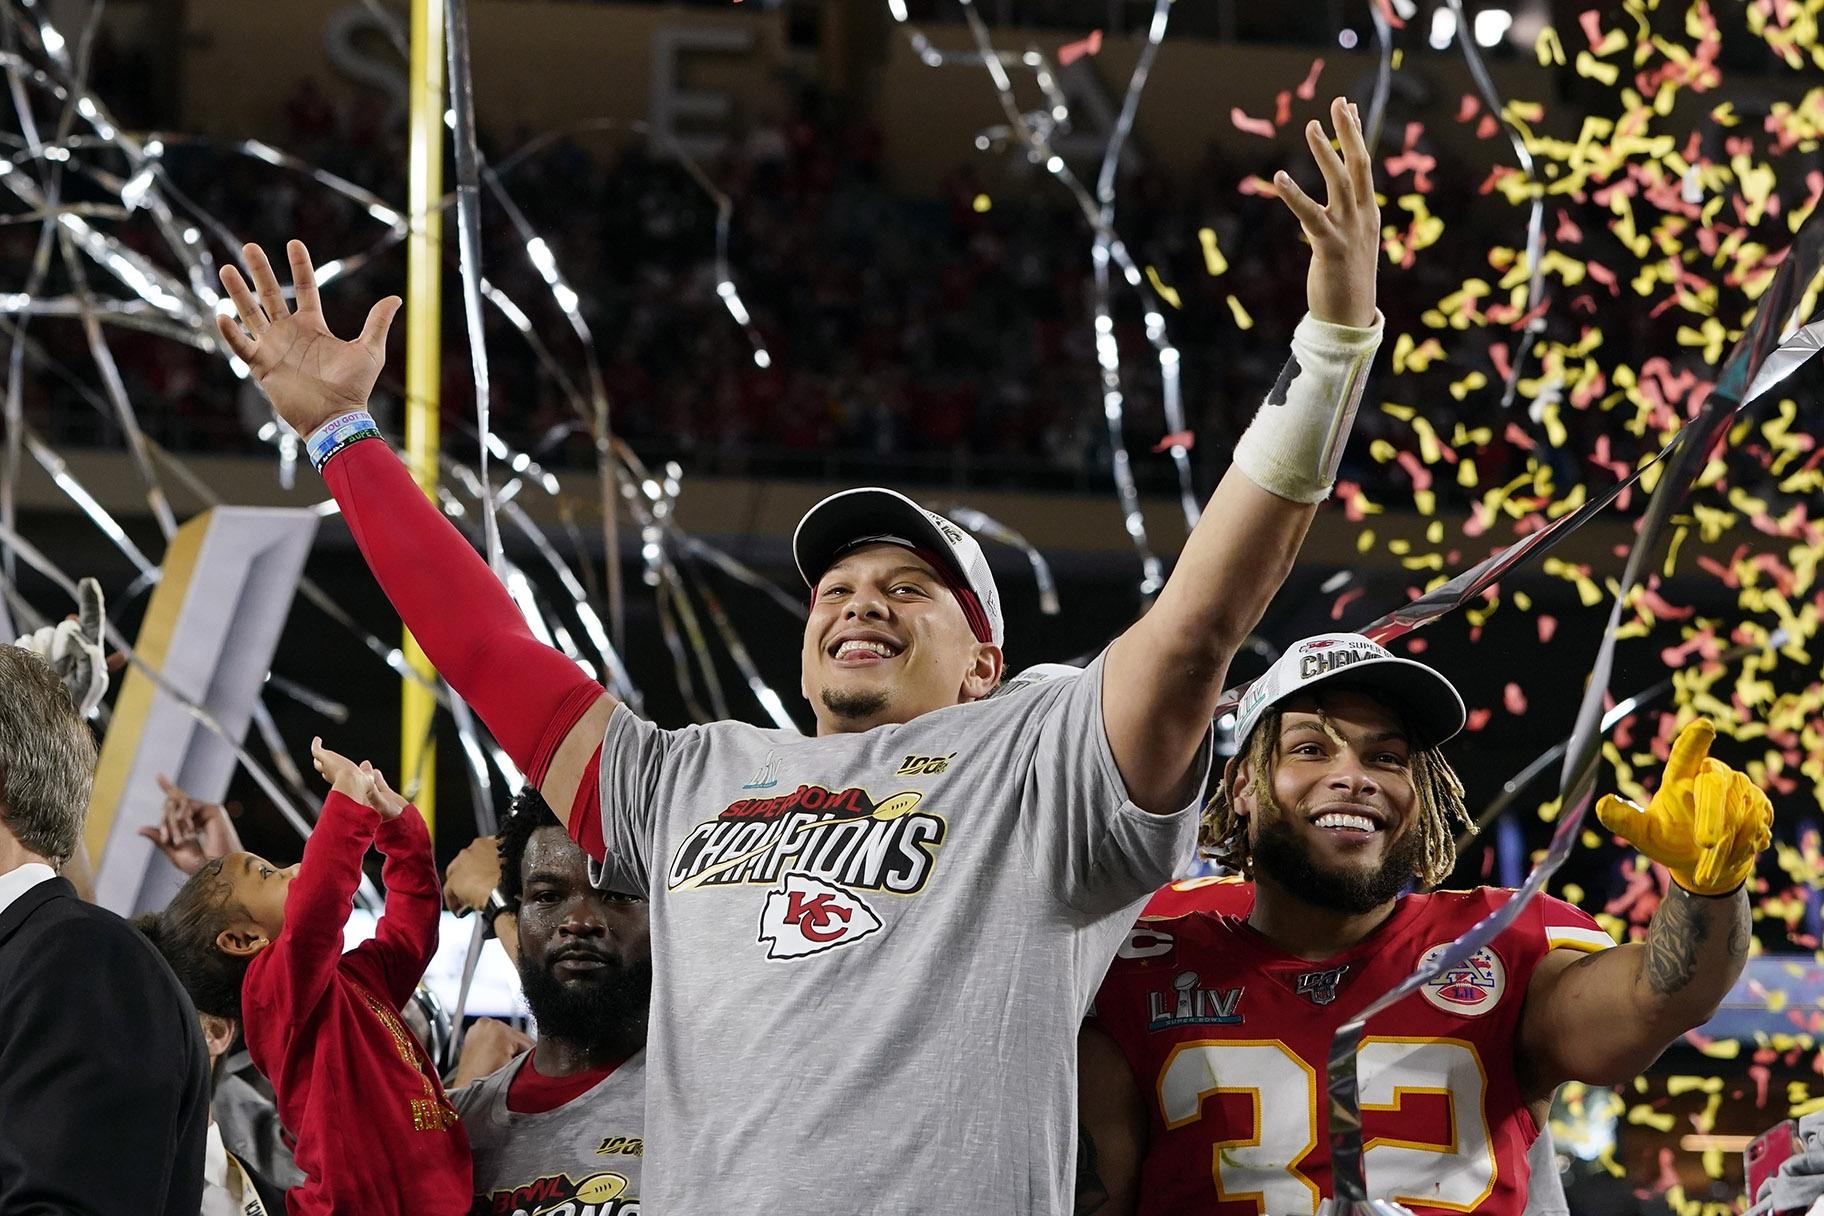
(1601, 457)
(1488, 127)
(1420, 475)
(1411, 159)
(1070, 52)
(1307, 88)
(1393, 18)
(1177, 439)
(1252, 126)
(1344, 600)
(1591, 20)
(1513, 699)
(1548, 625)
(1282, 107)
(1655, 603)
(1416, 645)
(1466, 109)
(1504, 368)
(1477, 719)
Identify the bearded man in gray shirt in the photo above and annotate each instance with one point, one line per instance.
(563, 1124)
(872, 947)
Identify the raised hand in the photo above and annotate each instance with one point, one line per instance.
(472, 876)
(308, 373)
(191, 832)
(384, 798)
(488, 1046)
(73, 648)
(1705, 824)
(345, 777)
(1344, 230)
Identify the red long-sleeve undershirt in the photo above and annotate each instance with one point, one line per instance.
(528, 694)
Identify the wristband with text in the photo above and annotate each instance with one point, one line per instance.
(336, 434)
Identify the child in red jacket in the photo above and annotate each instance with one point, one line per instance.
(375, 1134)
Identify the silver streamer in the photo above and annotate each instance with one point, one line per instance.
(1532, 318)
(985, 525)
(1033, 132)
(468, 234)
(1383, 76)
(181, 307)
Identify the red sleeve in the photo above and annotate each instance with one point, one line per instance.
(401, 948)
(293, 972)
(528, 694)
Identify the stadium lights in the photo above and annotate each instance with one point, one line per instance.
(1443, 28)
(1491, 25)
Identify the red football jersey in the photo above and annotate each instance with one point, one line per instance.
(1228, 1037)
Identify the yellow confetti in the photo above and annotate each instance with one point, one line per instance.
(1213, 261)
(1588, 65)
(1242, 319)
(1467, 385)
(1166, 292)
(1548, 48)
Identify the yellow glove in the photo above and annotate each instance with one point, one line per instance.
(1706, 823)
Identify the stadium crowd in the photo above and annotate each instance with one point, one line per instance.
(941, 338)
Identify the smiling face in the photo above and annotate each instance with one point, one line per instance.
(1341, 828)
(887, 641)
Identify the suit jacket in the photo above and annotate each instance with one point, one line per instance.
(104, 1085)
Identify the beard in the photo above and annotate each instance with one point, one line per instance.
(606, 1012)
(1279, 854)
(855, 704)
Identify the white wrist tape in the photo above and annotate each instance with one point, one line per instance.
(1295, 442)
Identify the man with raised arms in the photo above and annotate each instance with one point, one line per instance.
(872, 947)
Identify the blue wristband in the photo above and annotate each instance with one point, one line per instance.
(338, 433)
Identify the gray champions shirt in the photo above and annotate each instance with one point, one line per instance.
(872, 951)
(582, 1159)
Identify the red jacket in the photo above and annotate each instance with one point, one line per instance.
(374, 1131)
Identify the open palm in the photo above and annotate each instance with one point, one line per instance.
(308, 373)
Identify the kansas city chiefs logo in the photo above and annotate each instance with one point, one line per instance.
(806, 915)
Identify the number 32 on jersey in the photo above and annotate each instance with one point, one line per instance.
(1283, 1090)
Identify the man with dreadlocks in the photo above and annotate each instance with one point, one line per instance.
(1340, 810)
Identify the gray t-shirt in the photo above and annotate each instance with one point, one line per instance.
(872, 951)
(582, 1159)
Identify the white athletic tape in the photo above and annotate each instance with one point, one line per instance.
(1294, 444)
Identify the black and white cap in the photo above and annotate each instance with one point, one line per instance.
(871, 513)
(1429, 703)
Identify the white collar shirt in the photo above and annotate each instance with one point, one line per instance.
(15, 883)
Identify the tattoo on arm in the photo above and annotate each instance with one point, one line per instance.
(1092, 1193)
(1676, 938)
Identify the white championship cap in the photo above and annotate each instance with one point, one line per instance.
(870, 514)
(1427, 701)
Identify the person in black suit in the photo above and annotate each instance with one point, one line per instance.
(104, 1089)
